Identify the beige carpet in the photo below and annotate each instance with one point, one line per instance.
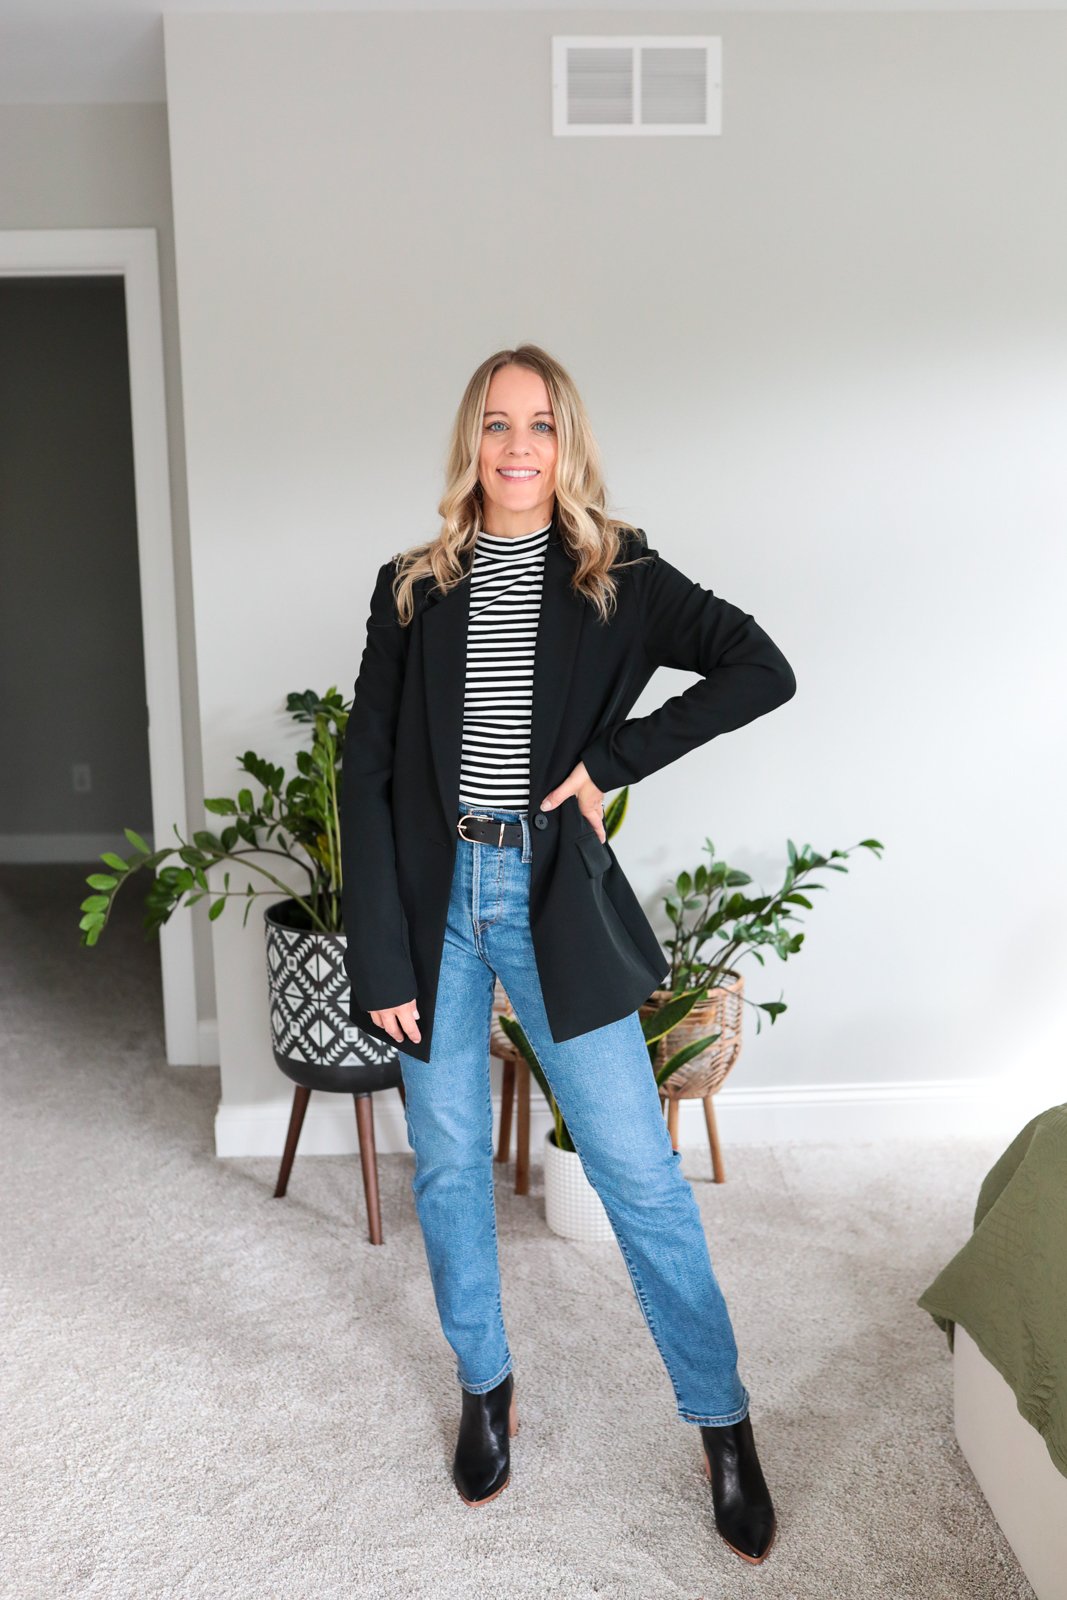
(207, 1392)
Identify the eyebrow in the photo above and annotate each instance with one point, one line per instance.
(505, 413)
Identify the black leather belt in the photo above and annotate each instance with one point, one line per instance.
(479, 829)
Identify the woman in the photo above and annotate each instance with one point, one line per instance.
(489, 719)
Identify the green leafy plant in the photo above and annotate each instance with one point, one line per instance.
(294, 818)
(707, 905)
(715, 925)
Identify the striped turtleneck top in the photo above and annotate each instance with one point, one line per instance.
(505, 603)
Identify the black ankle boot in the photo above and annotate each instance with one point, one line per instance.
(744, 1515)
(482, 1464)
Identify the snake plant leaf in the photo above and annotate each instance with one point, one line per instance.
(513, 1029)
(686, 1053)
(615, 812)
(670, 1013)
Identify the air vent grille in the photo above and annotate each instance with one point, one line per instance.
(644, 84)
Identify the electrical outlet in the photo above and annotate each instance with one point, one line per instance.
(83, 777)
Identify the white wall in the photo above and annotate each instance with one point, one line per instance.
(826, 357)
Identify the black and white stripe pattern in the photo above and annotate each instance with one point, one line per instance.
(505, 601)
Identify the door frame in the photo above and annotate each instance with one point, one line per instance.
(133, 255)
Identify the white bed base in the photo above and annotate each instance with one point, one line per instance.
(1027, 1494)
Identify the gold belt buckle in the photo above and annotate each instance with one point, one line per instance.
(475, 816)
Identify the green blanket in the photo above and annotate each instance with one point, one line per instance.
(1008, 1284)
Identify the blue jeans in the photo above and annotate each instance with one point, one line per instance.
(605, 1088)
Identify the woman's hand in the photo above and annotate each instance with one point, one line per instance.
(397, 1018)
(590, 799)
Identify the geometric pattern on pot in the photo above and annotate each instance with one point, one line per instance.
(309, 999)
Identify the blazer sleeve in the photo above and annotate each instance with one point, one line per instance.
(743, 676)
(377, 952)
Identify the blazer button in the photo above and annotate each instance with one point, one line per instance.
(540, 820)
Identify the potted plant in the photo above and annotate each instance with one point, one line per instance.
(692, 1026)
(715, 925)
(293, 821)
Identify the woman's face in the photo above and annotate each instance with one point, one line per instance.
(517, 460)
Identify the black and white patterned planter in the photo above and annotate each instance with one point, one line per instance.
(313, 1037)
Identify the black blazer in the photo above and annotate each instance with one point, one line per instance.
(597, 953)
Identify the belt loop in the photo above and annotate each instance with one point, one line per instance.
(526, 856)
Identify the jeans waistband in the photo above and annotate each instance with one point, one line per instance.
(501, 814)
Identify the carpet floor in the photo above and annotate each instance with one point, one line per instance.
(209, 1392)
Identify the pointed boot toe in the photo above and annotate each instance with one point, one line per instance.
(744, 1512)
(488, 1422)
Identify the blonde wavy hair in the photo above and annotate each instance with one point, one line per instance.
(591, 537)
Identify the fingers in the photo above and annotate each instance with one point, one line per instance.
(591, 805)
(594, 815)
(399, 1022)
(590, 799)
(570, 785)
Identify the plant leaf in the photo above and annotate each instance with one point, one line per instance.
(686, 1053)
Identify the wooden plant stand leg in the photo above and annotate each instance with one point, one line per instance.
(301, 1096)
(672, 1119)
(507, 1100)
(522, 1132)
(369, 1161)
(717, 1168)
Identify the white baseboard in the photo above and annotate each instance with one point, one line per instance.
(810, 1113)
(83, 849)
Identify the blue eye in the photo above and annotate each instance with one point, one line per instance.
(498, 424)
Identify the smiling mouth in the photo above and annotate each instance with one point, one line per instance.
(518, 473)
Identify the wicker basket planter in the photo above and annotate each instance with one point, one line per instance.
(720, 1012)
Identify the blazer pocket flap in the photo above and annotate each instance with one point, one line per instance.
(597, 856)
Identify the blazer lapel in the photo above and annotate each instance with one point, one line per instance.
(559, 627)
(444, 661)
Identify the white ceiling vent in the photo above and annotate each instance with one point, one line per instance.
(646, 83)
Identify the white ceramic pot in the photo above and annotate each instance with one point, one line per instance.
(573, 1209)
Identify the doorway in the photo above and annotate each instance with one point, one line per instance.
(89, 701)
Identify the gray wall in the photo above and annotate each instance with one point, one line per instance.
(824, 354)
(99, 166)
(72, 686)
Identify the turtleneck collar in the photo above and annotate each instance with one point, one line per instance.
(505, 545)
